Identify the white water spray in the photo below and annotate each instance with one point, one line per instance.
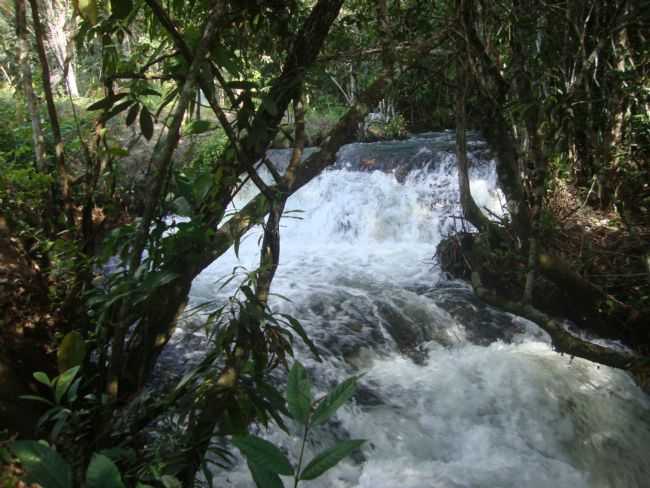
(455, 393)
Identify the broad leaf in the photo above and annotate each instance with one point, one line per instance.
(87, 9)
(146, 123)
(264, 478)
(43, 465)
(133, 113)
(298, 393)
(263, 454)
(102, 473)
(170, 482)
(198, 127)
(329, 458)
(42, 378)
(121, 8)
(71, 352)
(333, 400)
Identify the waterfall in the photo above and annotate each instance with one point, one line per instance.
(455, 393)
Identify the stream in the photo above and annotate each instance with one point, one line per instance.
(454, 393)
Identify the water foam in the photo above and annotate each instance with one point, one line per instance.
(438, 408)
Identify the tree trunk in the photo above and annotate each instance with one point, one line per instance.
(27, 86)
(62, 173)
(471, 212)
(152, 333)
(60, 29)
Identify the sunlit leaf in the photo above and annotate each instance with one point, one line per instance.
(72, 351)
(63, 382)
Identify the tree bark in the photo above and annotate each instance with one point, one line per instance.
(60, 25)
(27, 86)
(156, 327)
(562, 340)
(62, 173)
(471, 212)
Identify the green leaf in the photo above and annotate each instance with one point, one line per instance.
(333, 400)
(298, 393)
(146, 123)
(106, 102)
(72, 351)
(264, 478)
(102, 473)
(117, 109)
(170, 482)
(42, 378)
(43, 465)
(182, 207)
(202, 186)
(121, 8)
(103, 103)
(87, 9)
(263, 454)
(198, 127)
(36, 399)
(241, 85)
(329, 458)
(133, 113)
(63, 382)
(298, 329)
(270, 106)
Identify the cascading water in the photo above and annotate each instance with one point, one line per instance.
(455, 394)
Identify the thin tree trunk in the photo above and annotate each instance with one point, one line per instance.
(63, 178)
(27, 86)
(470, 210)
(161, 160)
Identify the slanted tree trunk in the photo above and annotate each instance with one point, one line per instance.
(471, 212)
(155, 329)
(26, 83)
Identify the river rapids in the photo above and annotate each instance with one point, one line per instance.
(454, 393)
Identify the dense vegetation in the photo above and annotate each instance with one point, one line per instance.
(117, 114)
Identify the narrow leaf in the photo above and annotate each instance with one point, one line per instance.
(263, 454)
(329, 458)
(298, 329)
(333, 400)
